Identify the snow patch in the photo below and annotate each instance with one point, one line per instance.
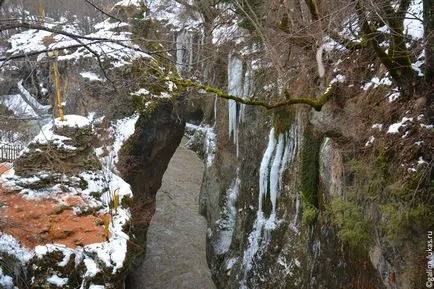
(6, 282)
(378, 126)
(174, 14)
(56, 280)
(96, 287)
(140, 92)
(13, 247)
(47, 134)
(413, 24)
(128, 3)
(91, 76)
(122, 130)
(394, 95)
(394, 128)
(370, 141)
(18, 106)
(375, 82)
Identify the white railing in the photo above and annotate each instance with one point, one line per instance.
(8, 153)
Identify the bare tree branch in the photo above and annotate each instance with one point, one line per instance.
(97, 56)
(24, 55)
(102, 11)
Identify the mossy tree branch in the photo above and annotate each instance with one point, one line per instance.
(347, 43)
(395, 20)
(317, 104)
(313, 9)
(397, 59)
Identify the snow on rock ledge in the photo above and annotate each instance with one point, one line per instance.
(76, 220)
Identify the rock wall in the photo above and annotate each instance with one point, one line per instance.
(328, 224)
(143, 161)
(287, 252)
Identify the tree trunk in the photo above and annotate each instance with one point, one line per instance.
(428, 18)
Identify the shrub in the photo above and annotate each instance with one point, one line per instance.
(353, 227)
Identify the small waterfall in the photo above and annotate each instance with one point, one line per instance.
(278, 155)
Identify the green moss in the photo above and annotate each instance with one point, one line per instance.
(400, 219)
(409, 209)
(127, 202)
(369, 178)
(310, 168)
(310, 176)
(83, 184)
(96, 195)
(310, 215)
(403, 203)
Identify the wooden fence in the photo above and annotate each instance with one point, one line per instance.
(8, 153)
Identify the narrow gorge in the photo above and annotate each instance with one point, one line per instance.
(175, 255)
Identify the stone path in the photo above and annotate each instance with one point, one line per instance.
(176, 238)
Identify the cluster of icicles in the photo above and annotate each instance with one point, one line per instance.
(277, 157)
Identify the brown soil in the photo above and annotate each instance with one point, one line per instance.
(50, 220)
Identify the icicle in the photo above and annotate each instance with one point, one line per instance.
(279, 155)
(210, 146)
(180, 41)
(247, 89)
(275, 172)
(288, 156)
(235, 87)
(228, 218)
(232, 119)
(253, 247)
(215, 110)
(237, 144)
(297, 207)
(263, 170)
(190, 52)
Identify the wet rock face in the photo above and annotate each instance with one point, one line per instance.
(142, 163)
